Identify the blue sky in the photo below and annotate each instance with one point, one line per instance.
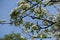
(5, 7)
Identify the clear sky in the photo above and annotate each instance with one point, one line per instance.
(5, 7)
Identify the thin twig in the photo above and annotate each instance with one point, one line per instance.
(56, 8)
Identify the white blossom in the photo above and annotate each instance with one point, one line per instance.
(28, 30)
(20, 1)
(37, 10)
(24, 5)
(22, 37)
(22, 11)
(33, 25)
(42, 9)
(41, 36)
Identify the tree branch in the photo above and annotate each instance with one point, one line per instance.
(42, 19)
(5, 23)
(51, 22)
(56, 8)
(31, 7)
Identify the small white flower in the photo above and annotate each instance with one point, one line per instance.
(20, 2)
(22, 11)
(27, 5)
(19, 6)
(22, 37)
(28, 30)
(37, 10)
(11, 11)
(41, 35)
(44, 10)
(33, 25)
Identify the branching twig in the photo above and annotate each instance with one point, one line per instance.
(31, 7)
(49, 21)
(36, 17)
(42, 19)
(56, 8)
(5, 23)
